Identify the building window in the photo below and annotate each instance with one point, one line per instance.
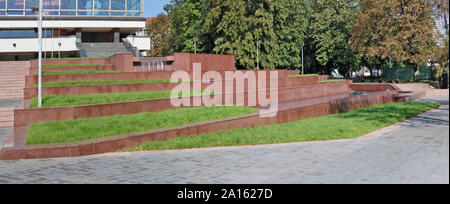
(84, 4)
(101, 7)
(15, 7)
(15, 4)
(70, 7)
(17, 33)
(29, 4)
(50, 4)
(134, 5)
(2, 4)
(118, 5)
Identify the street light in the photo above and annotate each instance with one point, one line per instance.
(257, 53)
(195, 44)
(303, 64)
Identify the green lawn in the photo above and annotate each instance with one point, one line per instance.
(332, 80)
(99, 82)
(70, 65)
(74, 58)
(303, 75)
(88, 99)
(339, 126)
(84, 129)
(82, 72)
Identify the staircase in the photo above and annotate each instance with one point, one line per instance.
(101, 49)
(12, 79)
(6, 117)
(12, 82)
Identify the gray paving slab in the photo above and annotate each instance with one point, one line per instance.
(4, 134)
(414, 152)
(10, 103)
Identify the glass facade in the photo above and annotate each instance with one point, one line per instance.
(74, 7)
(17, 33)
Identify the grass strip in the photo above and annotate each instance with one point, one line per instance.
(70, 65)
(339, 126)
(303, 75)
(99, 82)
(84, 129)
(82, 72)
(332, 80)
(73, 58)
(89, 99)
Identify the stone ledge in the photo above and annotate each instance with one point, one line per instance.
(114, 143)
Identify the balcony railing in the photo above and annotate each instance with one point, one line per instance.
(73, 7)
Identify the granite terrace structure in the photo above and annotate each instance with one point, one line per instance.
(300, 97)
(72, 28)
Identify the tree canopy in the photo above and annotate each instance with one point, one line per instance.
(343, 34)
(160, 36)
(397, 29)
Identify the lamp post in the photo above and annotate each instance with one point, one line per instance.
(257, 54)
(195, 44)
(303, 64)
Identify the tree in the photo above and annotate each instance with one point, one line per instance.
(403, 30)
(330, 24)
(446, 60)
(237, 26)
(291, 21)
(442, 10)
(160, 35)
(443, 62)
(187, 18)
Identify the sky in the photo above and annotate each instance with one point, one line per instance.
(153, 7)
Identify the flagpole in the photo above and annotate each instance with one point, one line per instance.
(41, 9)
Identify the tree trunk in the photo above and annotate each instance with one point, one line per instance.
(448, 76)
(416, 73)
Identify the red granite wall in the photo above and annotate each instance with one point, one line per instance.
(30, 92)
(113, 143)
(369, 87)
(34, 71)
(325, 77)
(210, 62)
(24, 117)
(34, 63)
(32, 80)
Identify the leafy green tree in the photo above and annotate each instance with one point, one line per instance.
(187, 18)
(291, 21)
(238, 26)
(330, 24)
(402, 30)
(160, 35)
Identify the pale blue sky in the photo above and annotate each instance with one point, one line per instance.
(153, 7)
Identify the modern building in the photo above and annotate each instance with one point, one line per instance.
(85, 28)
(440, 29)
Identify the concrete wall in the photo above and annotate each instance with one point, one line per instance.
(140, 42)
(31, 44)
